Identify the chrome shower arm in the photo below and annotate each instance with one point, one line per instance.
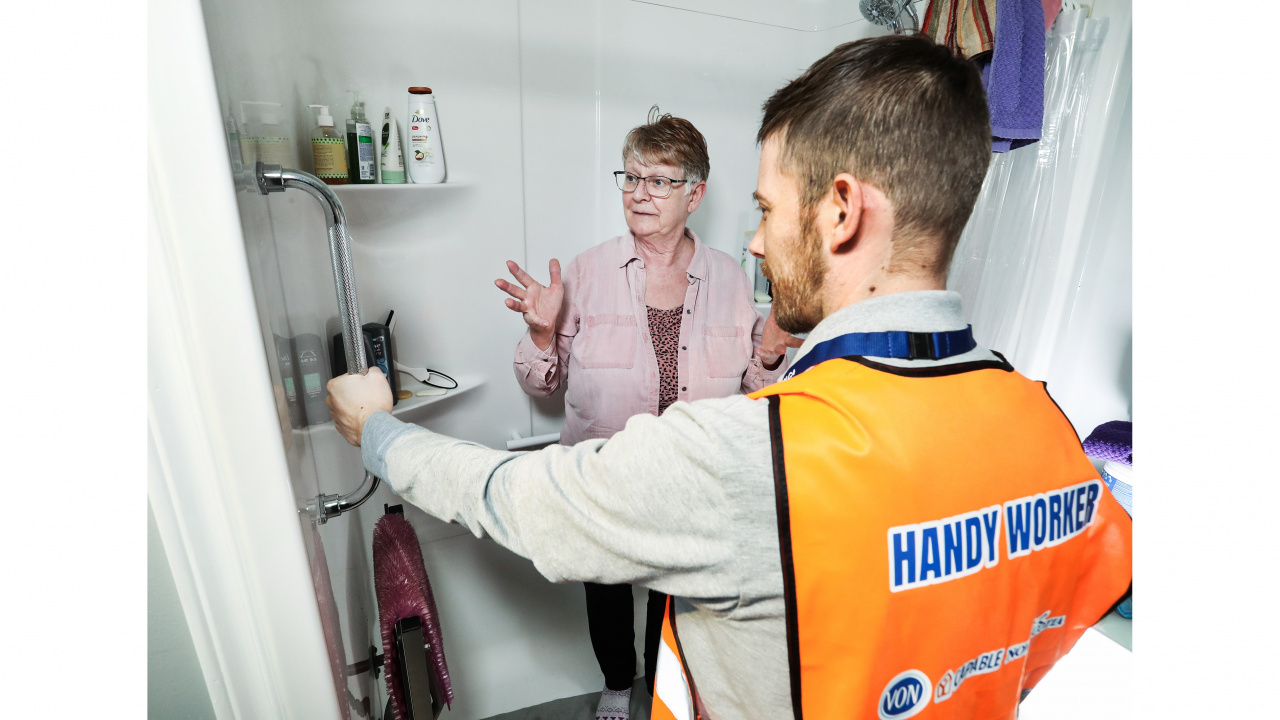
(272, 179)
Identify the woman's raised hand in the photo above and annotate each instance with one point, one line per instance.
(540, 304)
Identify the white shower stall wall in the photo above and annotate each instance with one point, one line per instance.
(534, 98)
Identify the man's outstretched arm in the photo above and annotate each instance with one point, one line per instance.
(648, 506)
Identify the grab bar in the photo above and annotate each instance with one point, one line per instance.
(273, 179)
(537, 441)
(323, 507)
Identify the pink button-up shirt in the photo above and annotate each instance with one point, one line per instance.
(602, 339)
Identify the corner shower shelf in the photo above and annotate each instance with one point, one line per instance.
(407, 410)
(399, 187)
(371, 208)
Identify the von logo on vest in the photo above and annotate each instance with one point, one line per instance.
(905, 695)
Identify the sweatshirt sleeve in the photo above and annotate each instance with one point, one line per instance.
(653, 505)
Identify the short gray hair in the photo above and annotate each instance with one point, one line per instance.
(669, 140)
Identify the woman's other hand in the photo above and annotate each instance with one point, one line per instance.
(540, 304)
(774, 342)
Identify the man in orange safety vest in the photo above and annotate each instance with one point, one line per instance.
(904, 526)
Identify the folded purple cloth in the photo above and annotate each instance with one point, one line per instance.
(1014, 74)
(1111, 441)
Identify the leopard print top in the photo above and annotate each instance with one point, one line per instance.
(664, 329)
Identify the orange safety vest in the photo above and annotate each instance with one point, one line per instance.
(944, 542)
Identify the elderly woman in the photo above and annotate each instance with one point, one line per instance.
(639, 322)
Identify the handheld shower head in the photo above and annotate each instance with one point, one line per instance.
(888, 13)
(879, 12)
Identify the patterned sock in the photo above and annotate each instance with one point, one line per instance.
(614, 705)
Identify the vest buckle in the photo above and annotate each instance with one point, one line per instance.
(920, 346)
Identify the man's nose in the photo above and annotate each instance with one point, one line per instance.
(756, 247)
(641, 193)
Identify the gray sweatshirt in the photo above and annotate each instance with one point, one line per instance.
(682, 503)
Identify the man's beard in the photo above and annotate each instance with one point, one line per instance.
(797, 281)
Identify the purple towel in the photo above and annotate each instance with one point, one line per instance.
(1014, 74)
(1111, 441)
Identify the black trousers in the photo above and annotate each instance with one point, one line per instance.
(611, 619)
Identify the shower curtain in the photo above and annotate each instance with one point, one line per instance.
(1020, 258)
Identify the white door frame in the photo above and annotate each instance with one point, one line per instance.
(218, 481)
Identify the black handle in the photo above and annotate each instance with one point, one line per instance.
(418, 689)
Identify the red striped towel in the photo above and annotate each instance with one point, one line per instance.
(968, 27)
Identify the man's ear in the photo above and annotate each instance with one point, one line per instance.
(841, 214)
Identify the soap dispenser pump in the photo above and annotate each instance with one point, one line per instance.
(327, 149)
(261, 135)
(360, 158)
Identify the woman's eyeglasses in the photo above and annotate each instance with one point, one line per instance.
(657, 185)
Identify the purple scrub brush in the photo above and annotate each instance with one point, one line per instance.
(403, 590)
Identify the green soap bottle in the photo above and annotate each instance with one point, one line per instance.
(392, 151)
(360, 159)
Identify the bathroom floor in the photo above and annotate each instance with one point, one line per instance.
(581, 707)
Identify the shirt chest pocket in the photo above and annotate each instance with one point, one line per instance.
(608, 342)
(725, 350)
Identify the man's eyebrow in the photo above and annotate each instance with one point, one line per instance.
(759, 199)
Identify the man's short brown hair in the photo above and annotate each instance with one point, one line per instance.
(902, 114)
(669, 140)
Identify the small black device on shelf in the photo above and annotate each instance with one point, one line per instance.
(377, 350)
